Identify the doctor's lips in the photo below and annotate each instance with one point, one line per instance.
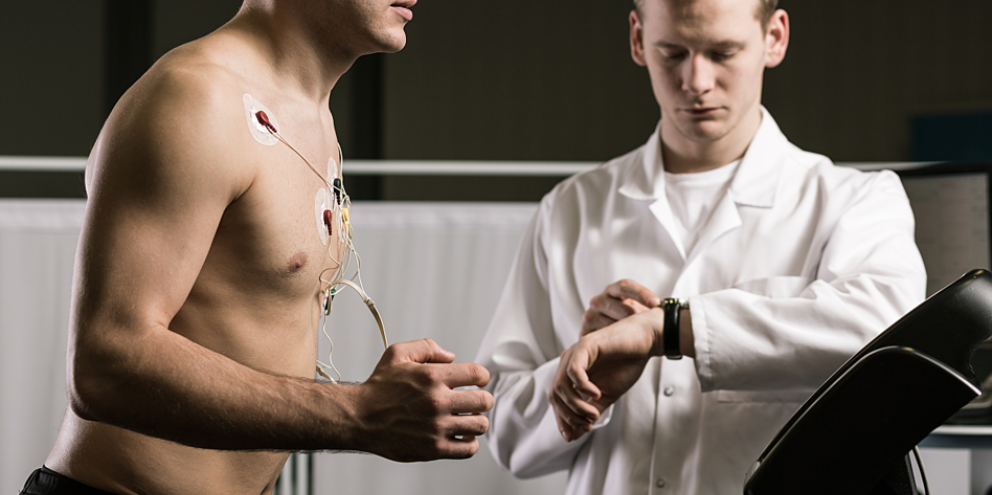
(700, 111)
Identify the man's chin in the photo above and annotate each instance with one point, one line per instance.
(703, 132)
(395, 42)
(384, 45)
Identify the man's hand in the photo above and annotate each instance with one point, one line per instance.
(596, 371)
(409, 409)
(619, 300)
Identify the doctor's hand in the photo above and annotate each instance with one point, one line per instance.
(620, 300)
(596, 371)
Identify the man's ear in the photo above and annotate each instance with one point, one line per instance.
(637, 40)
(776, 38)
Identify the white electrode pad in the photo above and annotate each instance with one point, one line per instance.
(258, 131)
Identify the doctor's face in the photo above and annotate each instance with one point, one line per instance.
(706, 60)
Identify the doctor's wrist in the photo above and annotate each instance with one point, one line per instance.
(687, 340)
(657, 324)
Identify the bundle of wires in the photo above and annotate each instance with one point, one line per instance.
(331, 285)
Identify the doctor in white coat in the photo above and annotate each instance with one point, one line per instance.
(775, 266)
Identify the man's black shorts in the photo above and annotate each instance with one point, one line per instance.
(44, 481)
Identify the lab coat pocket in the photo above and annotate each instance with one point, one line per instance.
(777, 287)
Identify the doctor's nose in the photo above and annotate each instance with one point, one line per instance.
(698, 76)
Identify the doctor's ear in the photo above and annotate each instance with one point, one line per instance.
(776, 38)
(637, 40)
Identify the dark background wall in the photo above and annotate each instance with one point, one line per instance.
(50, 77)
(527, 80)
(859, 71)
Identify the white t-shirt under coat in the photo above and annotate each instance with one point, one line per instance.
(693, 197)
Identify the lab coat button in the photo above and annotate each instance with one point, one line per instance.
(660, 483)
(669, 391)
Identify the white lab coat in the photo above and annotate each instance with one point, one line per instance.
(800, 265)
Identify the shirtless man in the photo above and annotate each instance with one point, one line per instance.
(196, 295)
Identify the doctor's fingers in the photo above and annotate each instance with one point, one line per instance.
(611, 308)
(568, 432)
(614, 307)
(570, 424)
(571, 374)
(578, 378)
(593, 320)
(629, 289)
(564, 395)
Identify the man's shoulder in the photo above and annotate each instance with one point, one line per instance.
(189, 81)
(186, 111)
(198, 79)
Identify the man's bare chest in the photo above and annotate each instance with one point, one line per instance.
(282, 234)
(285, 233)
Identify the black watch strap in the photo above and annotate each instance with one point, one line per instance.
(670, 331)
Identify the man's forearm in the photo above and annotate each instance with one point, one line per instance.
(169, 387)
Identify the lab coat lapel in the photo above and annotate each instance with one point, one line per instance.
(663, 212)
(757, 178)
(754, 184)
(647, 183)
(723, 219)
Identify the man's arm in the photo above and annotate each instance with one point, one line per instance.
(160, 177)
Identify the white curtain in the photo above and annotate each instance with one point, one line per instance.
(434, 270)
(37, 245)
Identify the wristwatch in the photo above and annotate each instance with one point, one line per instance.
(670, 329)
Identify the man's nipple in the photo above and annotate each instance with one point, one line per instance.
(297, 262)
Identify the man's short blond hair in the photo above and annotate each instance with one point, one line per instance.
(763, 12)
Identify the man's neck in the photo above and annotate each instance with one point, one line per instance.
(299, 64)
(681, 155)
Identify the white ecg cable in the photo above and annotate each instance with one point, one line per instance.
(341, 199)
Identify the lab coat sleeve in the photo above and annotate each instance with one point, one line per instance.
(521, 351)
(870, 273)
